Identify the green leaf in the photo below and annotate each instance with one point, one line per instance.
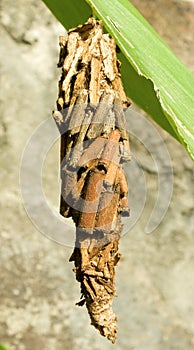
(3, 347)
(152, 75)
(69, 12)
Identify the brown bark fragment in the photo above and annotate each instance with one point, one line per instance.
(94, 188)
(102, 110)
(107, 49)
(94, 85)
(71, 49)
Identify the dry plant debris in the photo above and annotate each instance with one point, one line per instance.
(94, 145)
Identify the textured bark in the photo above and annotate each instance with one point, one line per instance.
(94, 145)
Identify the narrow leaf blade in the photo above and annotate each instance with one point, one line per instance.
(153, 76)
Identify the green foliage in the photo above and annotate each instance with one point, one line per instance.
(152, 75)
(4, 347)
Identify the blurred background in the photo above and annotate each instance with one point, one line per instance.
(155, 277)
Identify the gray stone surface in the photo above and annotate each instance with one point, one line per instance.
(155, 277)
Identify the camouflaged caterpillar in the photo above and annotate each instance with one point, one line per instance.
(94, 146)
